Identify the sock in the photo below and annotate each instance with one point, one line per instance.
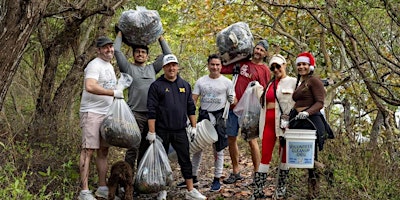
(85, 191)
(104, 188)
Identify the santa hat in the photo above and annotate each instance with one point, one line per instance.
(306, 57)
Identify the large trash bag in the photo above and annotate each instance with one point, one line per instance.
(235, 40)
(154, 172)
(248, 109)
(119, 127)
(140, 26)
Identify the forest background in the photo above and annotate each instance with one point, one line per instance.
(46, 44)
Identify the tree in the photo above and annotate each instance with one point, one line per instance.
(18, 19)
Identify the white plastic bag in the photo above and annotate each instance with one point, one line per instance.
(140, 26)
(120, 128)
(248, 108)
(154, 172)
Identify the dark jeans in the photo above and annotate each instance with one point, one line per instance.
(133, 155)
(179, 140)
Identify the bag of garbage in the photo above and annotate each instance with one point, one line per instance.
(248, 110)
(140, 26)
(154, 172)
(119, 128)
(235, 40)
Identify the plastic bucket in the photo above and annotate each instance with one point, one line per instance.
(300, 145)
(205, 136)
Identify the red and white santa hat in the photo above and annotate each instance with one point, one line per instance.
(306, 57)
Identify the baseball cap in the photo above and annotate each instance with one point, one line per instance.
(169, 58)
(103, 40)
(278, 59)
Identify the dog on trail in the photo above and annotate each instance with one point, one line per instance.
(121, 176)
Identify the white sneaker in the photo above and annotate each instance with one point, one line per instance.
(86, 196)
(162, 195)
(194, 194)
(101, 193)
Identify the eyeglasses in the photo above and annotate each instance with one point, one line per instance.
(273, 66)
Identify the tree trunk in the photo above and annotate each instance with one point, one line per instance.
(18, 19)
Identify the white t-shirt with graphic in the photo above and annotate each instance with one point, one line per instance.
(213, 92)
(103, 72)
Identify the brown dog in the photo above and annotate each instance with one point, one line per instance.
(120, 176)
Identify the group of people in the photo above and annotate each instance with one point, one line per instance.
(164, 107)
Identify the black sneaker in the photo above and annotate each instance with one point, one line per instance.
(233, 178)
(183, 184)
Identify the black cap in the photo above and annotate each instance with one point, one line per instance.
(103, 40)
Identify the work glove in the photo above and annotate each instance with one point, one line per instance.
(119, 94)
(151, 137)
(302, 115)
(192, 133)
(231, 98)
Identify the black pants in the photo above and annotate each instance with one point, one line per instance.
(180, 142)
(134, 155)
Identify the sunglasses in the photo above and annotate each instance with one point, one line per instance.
(272, 68)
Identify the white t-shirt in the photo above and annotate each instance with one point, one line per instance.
(213, 92)
(104, 73)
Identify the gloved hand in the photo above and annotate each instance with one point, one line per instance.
(302, 115)
(231, 98)
(236, 68)
(192, 133)
(151, 137)
(119, 94)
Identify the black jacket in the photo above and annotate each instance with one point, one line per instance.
(170, 103)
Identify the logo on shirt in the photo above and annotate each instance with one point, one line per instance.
(166, 90)
(244, 71)
(182, 90)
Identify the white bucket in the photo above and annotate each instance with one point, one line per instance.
(206, 135)
(300, 145)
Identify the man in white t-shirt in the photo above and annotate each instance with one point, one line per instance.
(98, 94)
(214, 91)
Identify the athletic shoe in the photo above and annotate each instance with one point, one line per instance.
(194, 195)
(86, 196)
(216, 185)
(233, 178)
(183, 184)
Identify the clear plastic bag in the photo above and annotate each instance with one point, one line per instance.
(140, 26)
(120, 128)
(248, 108)
(235, 40)
(154, 172)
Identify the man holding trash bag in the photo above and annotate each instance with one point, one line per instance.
(243, 73)
(143, 75)
(97, 96)
(169, 105)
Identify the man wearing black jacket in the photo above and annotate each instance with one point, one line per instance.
(169, 104)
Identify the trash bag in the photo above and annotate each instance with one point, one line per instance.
(140, 26)
(119, 128)
(235, 40)
(154, 172)
(248, 109)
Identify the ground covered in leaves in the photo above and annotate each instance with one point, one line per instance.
(239, 190)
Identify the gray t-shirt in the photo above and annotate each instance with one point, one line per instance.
(142, 76)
